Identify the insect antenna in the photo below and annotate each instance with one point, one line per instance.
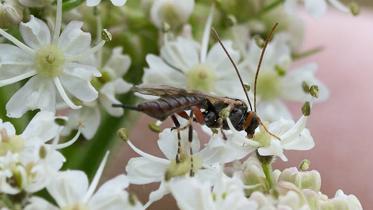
(234, 65)
(261, 60)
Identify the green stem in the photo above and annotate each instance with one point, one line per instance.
(270, 7)
(267, 169)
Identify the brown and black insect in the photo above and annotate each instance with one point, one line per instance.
(204, 109)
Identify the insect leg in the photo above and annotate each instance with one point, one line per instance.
(190, 139)
(177, 127)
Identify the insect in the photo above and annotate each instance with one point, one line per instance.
(204, 108)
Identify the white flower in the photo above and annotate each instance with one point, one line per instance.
(206, 163)
(315, 7)
(293, 137)
(186, 64)
(111, 83)
(342, 201)
(54, 62)
(275, 83)
(172, 12)
(118, 3)
(70, 190)
(226, 193)
(28, 158)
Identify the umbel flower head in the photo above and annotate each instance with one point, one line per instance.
(55, 62)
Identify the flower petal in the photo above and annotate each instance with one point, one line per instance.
(168, 141)
(118, 63)
(80, 88)
(35, 33)
(82, 71)
(42, 127)
(161, 73)
(36, 203)
(111, 194)
(190, 194)
(13, 62)
(92, 3)
(118, 3)
(315, 7)
(141, 170)
(182, 53)
(293, 82)
(107, 95)
(68, 187)
(37, 93)
(74, 41)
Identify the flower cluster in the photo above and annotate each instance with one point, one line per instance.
(61, 74)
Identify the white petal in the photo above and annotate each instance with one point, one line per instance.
(273, 110)
(292, 84)
(37, 93)
(42, 126)
(111, 194)
(275, 148)
(82, 71)
(157, 194)
(74, 41)
(118, 3)
(315, 7)
(191, 194)
(118, 64)
(92, 3)
(168, 141)
(36, 203)
(218, 60)
(142, 170)
(338, 5)
(182, 53)
(80, 88)
(107, 95)
(160, 73)
(13, 62)
(88, 120)
(68, 187)
(35, 33)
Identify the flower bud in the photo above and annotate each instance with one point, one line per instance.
(123, 134)
(302, 179)
(11, 13)
(354, 8)
(172, 12)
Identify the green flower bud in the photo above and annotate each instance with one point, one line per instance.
(302, 179)
(11, 13)
(304, 165)
(354, 8)
(306, 108)
(123, 134)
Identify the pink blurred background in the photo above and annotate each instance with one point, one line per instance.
(341, 126)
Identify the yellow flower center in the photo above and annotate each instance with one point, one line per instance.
(49, 61)
(268, 85)
(201, 78)
(12, 144)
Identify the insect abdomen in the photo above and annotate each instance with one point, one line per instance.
(168, 105)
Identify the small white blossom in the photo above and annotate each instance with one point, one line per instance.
(111, 83)
(206, 162)
(226, 193)
(184, 63)
(276, 82)
(316, 8)
(118, 3)
(294, 136)
(171, 12)
(70, 190)
(28, 159)
(54, 62)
